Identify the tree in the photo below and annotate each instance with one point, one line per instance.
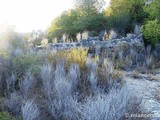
(151, 32)
(12, 37)
(64, 24)
(86, 16)
(153, 9)
(132, 7)
(91, 23)
(121, 23)
(89, 7)
(122, 15)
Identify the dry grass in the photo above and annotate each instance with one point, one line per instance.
(75, 55)
(71, 86)
(135, 74)
(153, 77)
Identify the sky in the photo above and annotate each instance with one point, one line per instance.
(28, 15)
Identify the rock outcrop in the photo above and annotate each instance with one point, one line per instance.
(94, 42)
(128, 52)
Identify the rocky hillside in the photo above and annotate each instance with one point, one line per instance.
(117, 79)
(130, 50)
(140, 66)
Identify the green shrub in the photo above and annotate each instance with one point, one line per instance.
(7, 116)
(26, 62)
(151, 32)
(4, 53)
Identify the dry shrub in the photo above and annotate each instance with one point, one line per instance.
(111, 106)
(135, 74)
(30, 110)
(26, 62)
(75, 55)
(13, 103)
(108, 75)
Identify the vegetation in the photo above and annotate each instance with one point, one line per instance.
(61, 81)
(153, 10)
(73, 84)
(121, 16)
(24, 63)
(151, 32)
(75, 55)
(6, 116)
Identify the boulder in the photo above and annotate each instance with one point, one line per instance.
(131, 36)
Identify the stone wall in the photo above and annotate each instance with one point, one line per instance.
(129, 51)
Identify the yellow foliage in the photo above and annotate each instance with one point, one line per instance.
(75, 55)
(108, 11)
(4, 53)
